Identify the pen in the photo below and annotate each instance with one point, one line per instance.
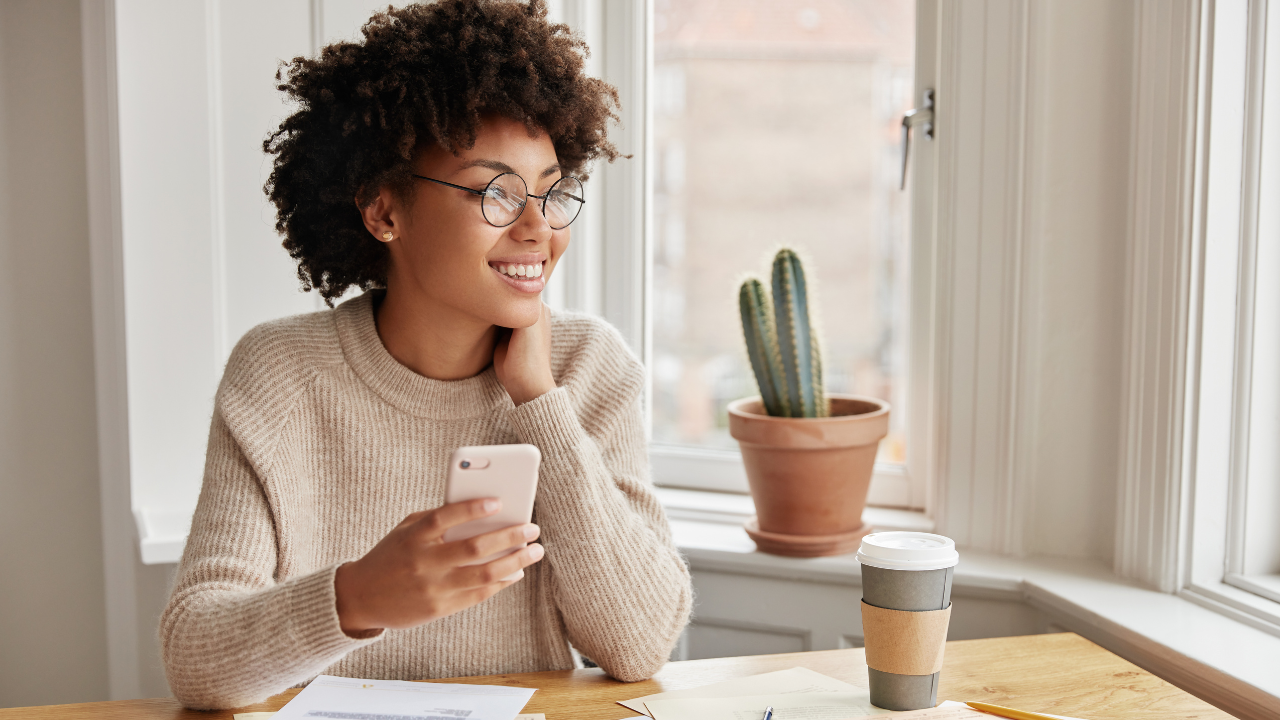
(1009, 712)
(768, 713)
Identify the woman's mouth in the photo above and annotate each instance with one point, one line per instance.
(523, 277)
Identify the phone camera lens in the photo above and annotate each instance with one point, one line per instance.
(465, 464)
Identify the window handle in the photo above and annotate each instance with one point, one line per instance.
(922, 115)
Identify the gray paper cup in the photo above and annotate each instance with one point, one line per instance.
(912, 572)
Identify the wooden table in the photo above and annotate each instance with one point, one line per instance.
(1062, 674)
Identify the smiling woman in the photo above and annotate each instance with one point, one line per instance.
(317, 544)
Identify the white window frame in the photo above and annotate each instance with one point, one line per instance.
(970, 384)
(897, 486)
(1234, 438)
(1200, 232)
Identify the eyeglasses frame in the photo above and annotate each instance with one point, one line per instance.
(543, 197)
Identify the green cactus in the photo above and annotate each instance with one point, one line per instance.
(762, 346)
(781, 343)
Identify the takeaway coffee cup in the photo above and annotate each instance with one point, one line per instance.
(906, 608)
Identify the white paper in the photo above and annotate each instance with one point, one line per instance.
(782, 682)
(336, 698)
(795, 706)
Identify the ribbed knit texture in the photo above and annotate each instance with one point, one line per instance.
(321, 443)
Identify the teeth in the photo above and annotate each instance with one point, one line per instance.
(529, 271)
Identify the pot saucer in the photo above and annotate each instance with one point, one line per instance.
(805, 545)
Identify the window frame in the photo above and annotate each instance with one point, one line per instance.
(1238, 235)
(717, 470)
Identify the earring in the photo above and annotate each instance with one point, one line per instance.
(388, 236)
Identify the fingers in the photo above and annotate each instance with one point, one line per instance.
(499, 570)
(411, 518)
(432, 523)
(480, 594)
(462, 552)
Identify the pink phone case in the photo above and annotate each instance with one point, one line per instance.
(507, 472)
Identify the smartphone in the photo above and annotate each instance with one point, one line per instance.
(506, 472)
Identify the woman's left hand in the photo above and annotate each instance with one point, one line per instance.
(522, 359)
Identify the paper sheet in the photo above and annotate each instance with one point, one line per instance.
(795, 706)
(782, 682)
(335, 698)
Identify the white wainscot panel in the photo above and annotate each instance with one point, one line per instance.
(748, 614)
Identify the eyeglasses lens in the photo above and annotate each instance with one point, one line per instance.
(564, 202)
(504, 199)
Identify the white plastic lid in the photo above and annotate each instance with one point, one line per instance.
(908, 551)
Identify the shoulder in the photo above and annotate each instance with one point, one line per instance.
(272, 365)
(591, 360)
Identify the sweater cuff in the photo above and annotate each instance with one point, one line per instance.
(549, 422)
(313, 604)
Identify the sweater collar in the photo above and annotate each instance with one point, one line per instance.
(401, 387)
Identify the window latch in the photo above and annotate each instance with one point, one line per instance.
(922, 115)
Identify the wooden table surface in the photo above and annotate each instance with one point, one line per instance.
(1061, 674)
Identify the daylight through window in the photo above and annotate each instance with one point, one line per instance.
(776, 123)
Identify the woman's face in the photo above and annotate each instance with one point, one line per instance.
(446, 252)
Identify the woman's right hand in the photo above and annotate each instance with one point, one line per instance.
(413, 576)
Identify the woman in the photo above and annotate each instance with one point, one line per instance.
(432, 166)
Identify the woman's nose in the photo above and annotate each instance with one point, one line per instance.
(531, 226)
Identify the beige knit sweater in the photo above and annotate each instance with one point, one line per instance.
(321, 443)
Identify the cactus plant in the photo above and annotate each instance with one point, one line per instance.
(781, 343)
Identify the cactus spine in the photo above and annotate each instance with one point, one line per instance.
(781, 343)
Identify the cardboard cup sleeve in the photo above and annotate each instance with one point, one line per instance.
(905, 642)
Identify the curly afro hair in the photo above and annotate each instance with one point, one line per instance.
(424, 74)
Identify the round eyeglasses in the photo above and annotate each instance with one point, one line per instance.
(504, 198)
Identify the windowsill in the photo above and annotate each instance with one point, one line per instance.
(162, 533)
(727, 508)
(1224, 661)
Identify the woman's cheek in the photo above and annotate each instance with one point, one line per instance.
(559, 244)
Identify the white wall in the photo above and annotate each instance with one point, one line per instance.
(1081, 53)
(52, 621)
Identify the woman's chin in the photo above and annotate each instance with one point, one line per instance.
(525, 314)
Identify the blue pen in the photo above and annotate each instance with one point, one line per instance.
(768, 713)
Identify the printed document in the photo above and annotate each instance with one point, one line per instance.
(336, 698)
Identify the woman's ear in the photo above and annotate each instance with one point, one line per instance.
(379, 217)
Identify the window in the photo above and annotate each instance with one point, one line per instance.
(1235, 528)
(775, 123)
(843, 70)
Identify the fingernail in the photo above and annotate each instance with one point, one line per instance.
(530, 531)
(519, 574)
(536, 552)
(491, 505)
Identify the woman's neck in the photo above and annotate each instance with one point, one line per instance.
(432, 340)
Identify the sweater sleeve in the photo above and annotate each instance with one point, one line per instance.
(232, 634)
(620, 584)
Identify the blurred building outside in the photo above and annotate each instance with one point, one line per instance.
(777, 124)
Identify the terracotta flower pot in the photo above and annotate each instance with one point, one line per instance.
(809, 476)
